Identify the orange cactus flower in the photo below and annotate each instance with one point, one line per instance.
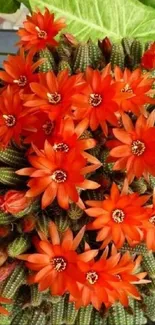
(45, 130)
(14, 201)
(56, 174)
(3, 310)
(14, 118)
(109, 280)
(39, 31)
(118, 217)
(138, 87)
(148, 58)
(97, 101)
(67, 138)
(136, 149)
(149, 226)
(56, 262)
(19, 71)
(53, 93)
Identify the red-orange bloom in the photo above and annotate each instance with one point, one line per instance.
(136, 147)
(39, 31)
(56, 262)
(14, 118)
(14, 201)
(118, 217)
(138, 87)
(53, 93)
(148, 58)
(97, 101)
(3, 310)
(109, 280)
(67, 138)
(58, 175)
(45, 130)
(149, 226)
(19, 71)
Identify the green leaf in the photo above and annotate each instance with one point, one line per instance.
(25, 2)
(150, 3)
(9, 6)
(100, 18)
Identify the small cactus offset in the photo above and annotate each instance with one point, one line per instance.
(49, 63)
(77, 174)
(117, 56)
(18, 246)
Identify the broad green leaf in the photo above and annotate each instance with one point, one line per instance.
(100, 18)
(9, 6)
(150, 3)
(25, 2)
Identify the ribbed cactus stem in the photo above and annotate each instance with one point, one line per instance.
(36, 296)
(126, 43)
(139, 186)
(15, 280)
(9, 177)
(149, 302)
(96, 318)
(5, 320)
(33, 206)
(70, 313)
(81, 59)
(136, 52)
(21, 319)
(42, 223)
(95, 55)
(62, 222)
(12, 157)
(117, 315)
(148, 263)
(74, 212)
(64, 65)
(57, 313)
(84, 315)
(139, 318)
(138, 249)
(38, 318)
(5, 218)
(117, 56)
(18, 246)
(49, 64)
(107, 167)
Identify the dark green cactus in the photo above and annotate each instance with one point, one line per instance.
(107, 167)
(49, 64)
(136, 52)
(117, 56)
(84, 315)
(139, 186)
(18, 246)
(81, 58)
(36, 296)
(12, 157)
(70, 313)
(38, 317)
(5, 218)
(13, 282)
(57, 313)
(74, 212)
(64, 65)
(9, 177)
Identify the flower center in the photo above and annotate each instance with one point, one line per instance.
(41, 33)
(10, 120)
(95, 100)
(54, 98)
(138, 147)
(48, 127)
(118, 215)
(22, 81)
(63, 147)
(59, 264)
(152, 220)
(92, 277)
(127, 89)
(59, 176)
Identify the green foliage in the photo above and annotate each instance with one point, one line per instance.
(97, 19)
(9, 6)
(150, 3)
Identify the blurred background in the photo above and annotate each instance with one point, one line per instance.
(13, 21)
